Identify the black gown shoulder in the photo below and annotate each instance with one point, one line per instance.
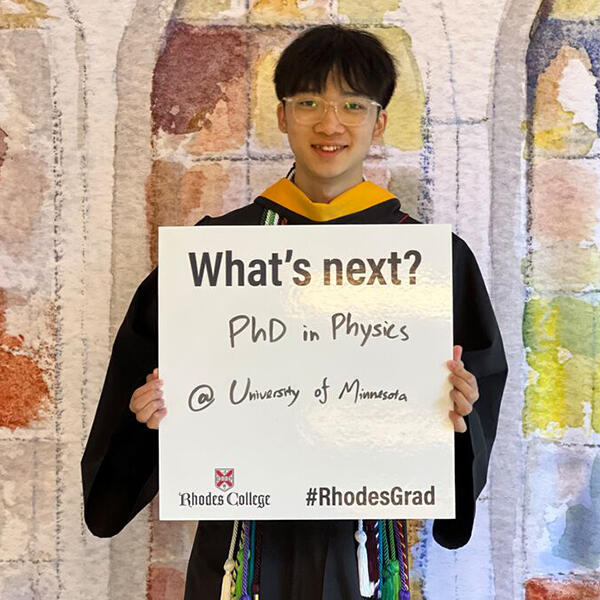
(246, 215)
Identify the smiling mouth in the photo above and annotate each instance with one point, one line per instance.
(328, 148)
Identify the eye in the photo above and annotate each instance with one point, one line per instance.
(355, 106)
(307, 103)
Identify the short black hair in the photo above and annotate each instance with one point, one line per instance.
(357, 55)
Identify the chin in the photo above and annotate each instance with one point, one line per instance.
(323, 169)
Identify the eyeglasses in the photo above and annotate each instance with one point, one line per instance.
(309, 109)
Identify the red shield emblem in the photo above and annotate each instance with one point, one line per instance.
(224, 479)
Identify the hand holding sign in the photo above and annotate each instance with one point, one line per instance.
(465, 391)
(147, 401)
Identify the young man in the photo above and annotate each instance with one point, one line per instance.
(333, 84)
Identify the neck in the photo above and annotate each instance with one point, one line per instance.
(324, 191)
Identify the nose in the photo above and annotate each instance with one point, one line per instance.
(330, 123)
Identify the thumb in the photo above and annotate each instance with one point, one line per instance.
(457, 352)
(155, 373)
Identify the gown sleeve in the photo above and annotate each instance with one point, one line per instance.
(476, 330)
(119, 466)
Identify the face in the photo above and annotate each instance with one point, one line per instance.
(343, 165)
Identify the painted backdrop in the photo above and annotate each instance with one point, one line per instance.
(120, 116)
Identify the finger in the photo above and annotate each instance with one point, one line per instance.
(460, 426)
(461, 405)
(143, 415)
(470, 391)
(149, 385)
(456, 353)
(147, 401)
(456, 361)
(461, 372)
(140, 397)
(156, 418)
(151, 376)
(152, 391)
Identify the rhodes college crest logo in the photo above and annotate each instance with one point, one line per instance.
(224, 479)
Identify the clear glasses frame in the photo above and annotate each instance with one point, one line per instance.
(311, 118)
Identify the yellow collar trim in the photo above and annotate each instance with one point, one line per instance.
(359, 197)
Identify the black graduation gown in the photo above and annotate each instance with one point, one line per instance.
(301, 560)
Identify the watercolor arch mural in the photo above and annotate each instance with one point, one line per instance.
(155, 181)
(562, 275)
(544, 116)
(561, 152)
(26, 287)
(39, 433)
(28, 316)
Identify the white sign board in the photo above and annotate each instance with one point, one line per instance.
(304, 372)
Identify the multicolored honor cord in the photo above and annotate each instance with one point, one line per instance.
(387, 560)
(270, 217)
(402, 553)
(242, 582)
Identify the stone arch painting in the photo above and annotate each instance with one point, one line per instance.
(158, 112)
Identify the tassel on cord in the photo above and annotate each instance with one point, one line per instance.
(227, 582)
(387, 591)
(388, 583)
(365, 585)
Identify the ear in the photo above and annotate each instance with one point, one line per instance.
(281, 119)
(379, 127)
